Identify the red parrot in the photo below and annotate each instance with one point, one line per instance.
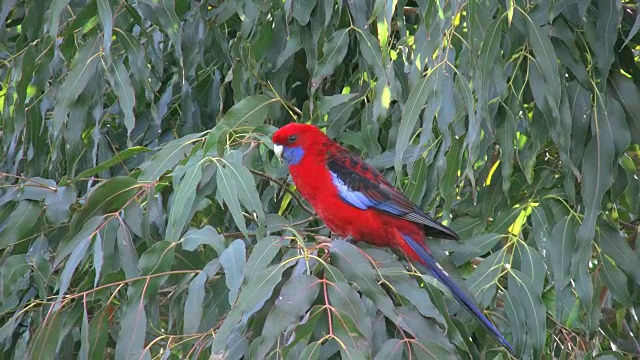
(341, 187)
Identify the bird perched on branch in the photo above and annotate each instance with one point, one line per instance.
(355, 201)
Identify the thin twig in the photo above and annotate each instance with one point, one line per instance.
(283, 185)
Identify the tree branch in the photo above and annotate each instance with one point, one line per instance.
(283, 185)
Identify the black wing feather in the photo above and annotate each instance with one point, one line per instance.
(362, 186)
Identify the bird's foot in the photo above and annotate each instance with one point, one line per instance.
(348, 239)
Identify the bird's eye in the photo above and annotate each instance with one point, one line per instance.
(293, 138)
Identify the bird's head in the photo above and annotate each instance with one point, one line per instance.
(292, 141)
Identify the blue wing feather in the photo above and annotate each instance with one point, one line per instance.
(362, 186)
(355, 198)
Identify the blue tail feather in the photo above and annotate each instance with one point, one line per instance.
(457, 292)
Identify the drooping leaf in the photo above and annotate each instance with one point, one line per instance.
(252, 297)
(262, 254)
(133, 327)
(357, 268)
(157, 260)
(294, 299)
(19, 223)
(182, 202)
(207, 235)
(193, 306)
(82, 241)
(615, 246)
(232, 261)
(611, 137)
(109, 196)
(228, 190)
(168, 157)
(334, 51)
(119, 78)
(46, 336)
(521, 289)
(84, 68)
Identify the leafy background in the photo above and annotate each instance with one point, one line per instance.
(143, 215)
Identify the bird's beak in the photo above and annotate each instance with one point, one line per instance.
(278, 149)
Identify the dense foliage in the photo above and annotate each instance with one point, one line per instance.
(143, 215)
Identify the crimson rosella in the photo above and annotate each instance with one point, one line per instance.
(341, 187)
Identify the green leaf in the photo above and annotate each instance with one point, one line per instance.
(14, 275)
(207, 235)
(326, 103)
(262, 254)
(532, 265)
(83, 240)
(57, 7)
(417, 182)
(133, 327)
(615, 246)
(357, 268)
(349, 309)
(416, 101)
(628, 95)
(449, 180)
(167, 158)
(616, 281)
(546, 62)
(252, 297)
(19, 223)
(127, 252)
(232, 261)
(506, 130)
(83, 70)
(106, 18)
(183, 202)
(432, 343)
(394, 273)
(602, 39)
(482, 283)
(610, 139)
(158, 259)
(36, 188)
(117, 159)
(391, 349)
(84, 336)
(110, 196)
(334, 51)
(490, 52)
(371, 52)
(243, 116)
(561, 247)
(121, 84)
(46, 337)
(301, 10)
(312, 351)
(295, 298)
(193, 305)
(360, 13)
(471, 248)
(522, 290)
(163, 13)
(248, 193)
(99, 333)
(229, 194)
(58, 202)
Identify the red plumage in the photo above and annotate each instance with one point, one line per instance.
(354, 199)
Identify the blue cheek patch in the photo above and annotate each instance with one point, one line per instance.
(292, 155)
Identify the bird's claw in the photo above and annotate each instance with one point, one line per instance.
(348, 239)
